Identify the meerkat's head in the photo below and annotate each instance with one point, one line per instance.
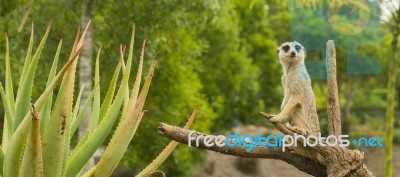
(291, 52)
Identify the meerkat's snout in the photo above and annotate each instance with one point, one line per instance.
(292, 54)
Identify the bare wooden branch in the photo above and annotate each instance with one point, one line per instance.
(339, 161)
(334, 122)
(302, 163)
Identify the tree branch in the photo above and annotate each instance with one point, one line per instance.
(340, 161)
(302, 163)
(334, 122)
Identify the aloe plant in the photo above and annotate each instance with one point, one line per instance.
(36, 136)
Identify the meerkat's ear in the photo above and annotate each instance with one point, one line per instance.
(277, 51)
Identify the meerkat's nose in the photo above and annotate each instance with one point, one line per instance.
(292, 54)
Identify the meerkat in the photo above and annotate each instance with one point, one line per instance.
(298, 105)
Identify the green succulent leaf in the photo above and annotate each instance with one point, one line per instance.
(77, 105)
(1, 160)
(24, 95)
(7, 108)
(79, 157)
(9, 84)
(45, 113)
(32, 162)
(56, 137)
(8, 95)
(76, 121)
(110, 93)
(27, 59)
(124, 133)
(40, 133)
(96, 102)
(13, 155)
(152, 167)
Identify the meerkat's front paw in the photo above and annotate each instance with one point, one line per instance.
(277, 118)
(273, 119)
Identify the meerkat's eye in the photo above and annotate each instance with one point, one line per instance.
(297, 47)
(286, 48)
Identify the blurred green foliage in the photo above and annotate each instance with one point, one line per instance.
(220, 55)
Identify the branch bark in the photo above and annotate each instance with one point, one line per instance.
(334, 122)
(302, 163)
(340, 161)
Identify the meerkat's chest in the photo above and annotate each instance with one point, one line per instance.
(294, 84)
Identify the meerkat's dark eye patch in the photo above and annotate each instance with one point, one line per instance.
(286, 48)
(297, 47)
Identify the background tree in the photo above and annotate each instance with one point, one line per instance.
(394, 26)
(85, 70)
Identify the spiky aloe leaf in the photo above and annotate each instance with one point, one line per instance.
(80, 116)
(6, 136)
(124, 133)
(7, 108)
(130, 56)
(166, 152)
(136, 86)
(80, 156)
(56, 137)
(45, 113)
(122, 52)
(1, 160)
(7, 123)
(9, 95)
(24, 95)
(32, 162)
(110, 92)
(13, 155)
(96, 102)
(27, 60)
(135, 90)
(77, 104)
(9, 85)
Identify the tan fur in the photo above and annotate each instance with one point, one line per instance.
(298, 104)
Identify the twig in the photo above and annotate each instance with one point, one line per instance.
(28, 11)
